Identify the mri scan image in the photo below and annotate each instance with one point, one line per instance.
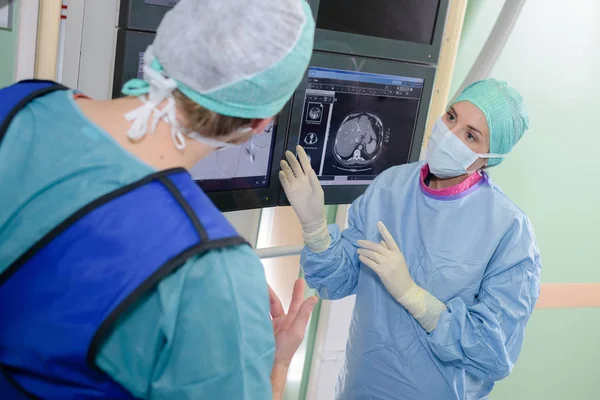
(359, 141)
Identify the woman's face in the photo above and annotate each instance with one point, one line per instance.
(468, 123)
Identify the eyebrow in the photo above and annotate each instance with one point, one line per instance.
(474, 129)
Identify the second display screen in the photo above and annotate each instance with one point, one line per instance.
(355, 125)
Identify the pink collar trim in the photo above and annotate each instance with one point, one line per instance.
(462, 187)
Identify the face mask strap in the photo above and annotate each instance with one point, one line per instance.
(487, 156)
(160, 89)
(217, 144)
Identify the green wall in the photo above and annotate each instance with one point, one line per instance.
(8, 49)
(551, 59)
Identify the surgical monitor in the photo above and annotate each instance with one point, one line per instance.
(407, 30)
(143, 15)
(356, 118)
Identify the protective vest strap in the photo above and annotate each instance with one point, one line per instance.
(14, 98)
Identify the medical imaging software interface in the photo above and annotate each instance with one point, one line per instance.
(355, 125)
(244, 167)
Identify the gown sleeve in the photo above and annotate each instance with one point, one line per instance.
(334, 272)
(485, 338)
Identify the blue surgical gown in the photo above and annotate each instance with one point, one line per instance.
(204, 332)
(475, 251)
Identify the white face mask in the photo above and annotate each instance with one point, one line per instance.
(222, 146)
(217, 144)
(447, 155)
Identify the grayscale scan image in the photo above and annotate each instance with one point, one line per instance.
(358, 141)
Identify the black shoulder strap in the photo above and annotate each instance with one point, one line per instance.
(14, 98)
(9, 389)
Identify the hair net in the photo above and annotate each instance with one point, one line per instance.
(240, 58)
(504, 111)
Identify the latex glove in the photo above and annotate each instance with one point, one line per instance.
(388, 262)
(305, 194)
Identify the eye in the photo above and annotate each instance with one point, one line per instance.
(450, 116)
(471, 138)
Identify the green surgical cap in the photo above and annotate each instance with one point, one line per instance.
(239, 58)
(504, 111)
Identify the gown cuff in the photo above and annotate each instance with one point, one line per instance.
(317, 237)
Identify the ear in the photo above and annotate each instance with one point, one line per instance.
(259, 125)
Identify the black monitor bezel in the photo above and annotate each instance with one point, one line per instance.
(139, 16)
(227, 200)
(124, 45)
(367, 46)
(293, 111)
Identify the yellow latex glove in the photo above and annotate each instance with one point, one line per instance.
(305, 194)
(388, 262)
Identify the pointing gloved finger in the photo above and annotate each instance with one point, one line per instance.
(291, 158)
(304, 161)
(285, 167)
(370, 254)
(367, 244)
(314, 181)
(284, 181)
(370, 263)
(387, 237)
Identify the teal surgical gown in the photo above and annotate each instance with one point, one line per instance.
(475, 251)
(204, 332)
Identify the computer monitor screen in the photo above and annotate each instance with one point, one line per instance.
(143, 15)
(244, 167)
(356, 117)
(405, 20)
(357, 124)
(129, 57)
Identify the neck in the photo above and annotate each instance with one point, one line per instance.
(155, 149)
(439, 184)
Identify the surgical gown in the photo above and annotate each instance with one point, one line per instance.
(204, 332)
(474, 250)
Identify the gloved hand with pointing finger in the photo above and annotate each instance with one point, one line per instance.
(305, 194)
(388, 262)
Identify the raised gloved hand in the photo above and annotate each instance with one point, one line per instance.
(388, 262)
(305, 194)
